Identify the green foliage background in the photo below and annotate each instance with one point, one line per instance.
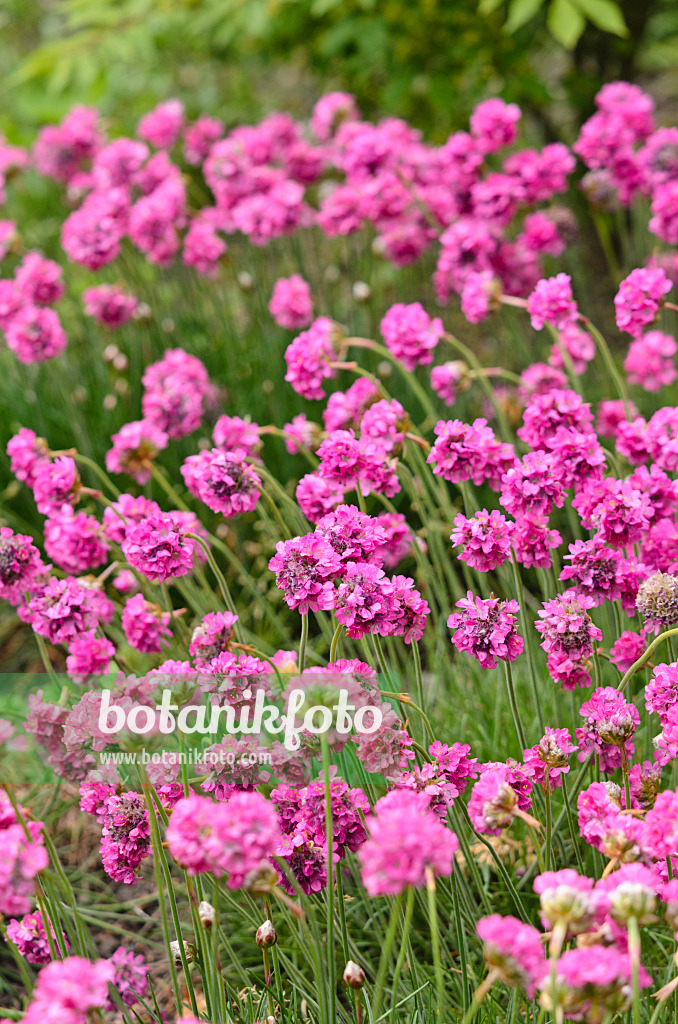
(429, 61)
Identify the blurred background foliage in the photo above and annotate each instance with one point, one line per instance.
(428, 61)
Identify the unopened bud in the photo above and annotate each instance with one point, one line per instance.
(261, 880)
(206, 913)
(266, 935)
(189, 950)
(354, 976)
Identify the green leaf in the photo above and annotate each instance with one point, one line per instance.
(605, 14)
(488, 6)
(520, 12)
(565, 23)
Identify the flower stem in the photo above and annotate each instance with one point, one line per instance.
(331, 957)
(409, 905)
(514, 707)
(334, 646)
(386, 949)
(435, 939)
(303, 641)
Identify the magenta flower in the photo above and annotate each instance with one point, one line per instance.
(627, 650)
(145, 625)
(411, 334)
(135, 447)
(552, 302)
(20, 563)
(613, 719)
(177, 393)
(75, 541)
(639, 298)
(88, 655)
(110, 305)
(70, 990)
(485, 539)
(158, 548)
(566, 627)
(365, 601)
(650, 361)
(232, 839)
(532, 487)
(547, 411)
(447, 379)
(306, 568)
(494, 124)
(212, 637)
(56, 483)
(30, 938)
(486, 629)
(131, 976)
(35, 334)
(407, 841)
(125, 837)
(464, 451)
(223, 480)
(532, 542)
(38, 280)
(317, 496)
(291, 305)
(61, 610)
(27, 454)
(355, 536)
(548, 760)
(513, 951)
(309, 356)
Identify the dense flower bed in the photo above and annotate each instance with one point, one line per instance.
(545, 555)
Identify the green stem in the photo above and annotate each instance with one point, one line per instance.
(570, 824)
(221, 580)
(331, 955)
(334, 646)
(520, 594)
(385, 957)
(303, 641)
(609, 362)
(645, 657)
(634, 953)
(514, 707)
(409, 905)
(547, 799)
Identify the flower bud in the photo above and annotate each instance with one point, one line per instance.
(633, 899)
(189, 949)
(206, 913)
(354, 976)
(261, 880)
(266, 935)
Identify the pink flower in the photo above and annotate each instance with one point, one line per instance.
(20, 563)
(610, 414)
(513, 949)
(92, 234)
(406, 841)
(61, 151)
(61, 610)
(661, 693)
(232, 432)
(23, 857)
(301, 434)
(639, 298)
(410, 334)
(200, 136)
(485, 539)
(495, 798)
(158, 548)
(532, 542)
(212, 637)
(358, 463)
(309, 356)
(547, 411)
(70, 990)
(354, 535)
(56, 483)
(231, 839)
(125, 837)
(445, 380)
(464, 451)
(135, 447)
(317, 496)
(162, 126)
(480, 295)
(494, 123)
(75, 541)
(223, 480)
(346, 409)
(177, 393)
(365, 600)
(30, 938)
(330, 112)
(39, 280)
(398, 539)
(548, 760)
(35, 334)
(627, 650)
(145, 625)
(649, 361)
(109, 304)
(486, 629)
(384, 423)
(131, 976)
(613, 719)
(305, 569)
(88, 655)
(552, 302)
(27, 454)
(203, 248)
(291, 305)
(604, 979)
(566, 627)
(664, 209)
(531, 487)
